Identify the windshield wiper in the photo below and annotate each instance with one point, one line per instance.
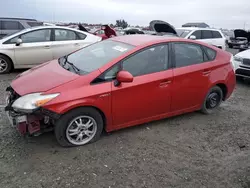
(76, 69)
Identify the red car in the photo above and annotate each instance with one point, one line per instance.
(117, 83)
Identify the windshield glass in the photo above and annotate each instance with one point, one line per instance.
(96, 55)
(183, 32)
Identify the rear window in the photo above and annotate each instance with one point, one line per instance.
(207, 34)
(11, 25)
(34, 24)
(183, 32)
(210, 52)
(98, 54)
(216, 34)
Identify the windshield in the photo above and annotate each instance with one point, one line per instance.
(183, 32)
(98, 54)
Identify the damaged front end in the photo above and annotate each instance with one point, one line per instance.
(28, 121)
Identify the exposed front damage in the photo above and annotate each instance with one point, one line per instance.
(240, 40)
(28, 122)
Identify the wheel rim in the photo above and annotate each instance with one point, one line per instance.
(81, 130)
(3, 65)
(213, 100)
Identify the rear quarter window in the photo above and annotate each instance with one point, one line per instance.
(210, 53)
(35, 24)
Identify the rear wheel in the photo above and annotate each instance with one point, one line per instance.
(213, 100)
(5, 64)
(79, 127)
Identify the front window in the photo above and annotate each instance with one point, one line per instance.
(96, 55)
(183, 32)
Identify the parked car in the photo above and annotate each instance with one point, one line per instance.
(117, 83)
(9, 26)
(241, 64)
(37, 45)
(210, 36)
(239, 40)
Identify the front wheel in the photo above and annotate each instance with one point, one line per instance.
(212, 100)
(79, 127)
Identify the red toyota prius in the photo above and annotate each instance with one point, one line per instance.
(117, 83)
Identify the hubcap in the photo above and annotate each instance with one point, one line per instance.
(81, 130)
(212, 100)
(3, 65)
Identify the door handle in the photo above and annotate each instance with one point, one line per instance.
(46, 47)
(206, 72)
(165, 83)
(77, 44)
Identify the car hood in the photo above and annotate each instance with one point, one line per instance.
(241, 33)
(162, 27)
(42, 78)
(244, 54)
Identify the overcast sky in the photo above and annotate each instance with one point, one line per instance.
(217, 13)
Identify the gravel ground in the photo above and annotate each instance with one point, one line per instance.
(191, 150)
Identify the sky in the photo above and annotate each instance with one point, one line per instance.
(229, 14)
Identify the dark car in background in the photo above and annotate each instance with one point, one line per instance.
(9, 26)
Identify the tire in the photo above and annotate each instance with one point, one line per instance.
(64, 126)
(5, 64)
(214, 93)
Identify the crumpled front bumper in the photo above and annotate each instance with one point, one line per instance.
(27, 122)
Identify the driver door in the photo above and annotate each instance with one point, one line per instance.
(149, 95)
(34, 49)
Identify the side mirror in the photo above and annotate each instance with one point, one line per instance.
(192, 37)
(18, 42)
(123, 76)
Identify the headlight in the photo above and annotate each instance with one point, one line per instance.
(237, 58)
(236, 62)
(32, 101)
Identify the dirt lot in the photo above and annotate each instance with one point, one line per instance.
(192, 150)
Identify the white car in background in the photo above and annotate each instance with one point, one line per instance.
(241, 63)
(33, 46)
(210, 36)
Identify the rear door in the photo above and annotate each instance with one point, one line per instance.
(191, 71)
(218, 40)
(207, 36)
(35, 48)
(64, 42)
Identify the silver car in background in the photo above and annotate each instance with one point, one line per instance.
(9, 26)
(36, 45)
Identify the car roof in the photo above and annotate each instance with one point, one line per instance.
(41, 27)
(24, 19)
(197, 28)
(138, 40)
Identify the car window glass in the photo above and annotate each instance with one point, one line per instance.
(216, 34)
(100, 32)
(42, 35)
(210, 52)
(34, 24)
(63, 34)
(109, 74)
(81, 36)
(197, 34)
(11, 25)
(148, 61)
(206, 34)
(187, 54)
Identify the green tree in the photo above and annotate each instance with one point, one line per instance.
(121, 23)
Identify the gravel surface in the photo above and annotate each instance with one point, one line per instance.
(191, 150)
